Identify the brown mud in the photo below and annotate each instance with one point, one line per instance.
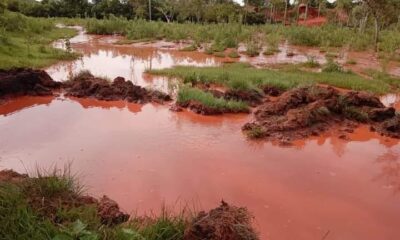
(25, 81)
(88, 86)
(28, 82)
(223, 223)
(307, 111)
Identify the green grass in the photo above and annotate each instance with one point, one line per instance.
(283, 79)
(25, 41)
(19, 219)
(187, 94)
(228, 35)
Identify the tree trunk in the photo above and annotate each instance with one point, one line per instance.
(377, 32)
(285, 14)
(306, 15)
(319, 9)
(150, 10)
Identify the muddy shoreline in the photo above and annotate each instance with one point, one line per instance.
(283, 116)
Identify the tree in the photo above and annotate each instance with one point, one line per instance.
(383, 12)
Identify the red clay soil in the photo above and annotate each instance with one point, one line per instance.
(317, 21)
(49, 205)
(26, 81)
(11, 176)
(307, 111)
(89, 86)
(223, 223)
(29, 82)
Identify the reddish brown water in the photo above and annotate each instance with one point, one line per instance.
(145, 155)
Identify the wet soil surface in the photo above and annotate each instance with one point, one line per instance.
(307, 111)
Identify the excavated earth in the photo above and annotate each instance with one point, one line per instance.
(25, 81)
(29, 82)
(308, 111)
(225, 222)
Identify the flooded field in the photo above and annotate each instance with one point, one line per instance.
(145, 155)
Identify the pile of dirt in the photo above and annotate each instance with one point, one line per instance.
(109, 212)
(88, 85)
(223, 223)
(26, 81)
(49, 205)
(307, 111)
(11, 176)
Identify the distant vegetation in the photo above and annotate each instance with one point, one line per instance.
(25, 41)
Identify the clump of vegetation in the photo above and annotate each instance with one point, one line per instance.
(255, 132)
(252, 49)
(311, 62)
(233, 54)
(332, 66)
(188, 94)
(190, 48)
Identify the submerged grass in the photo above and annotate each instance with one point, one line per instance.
(244, 75)
(25, 41)
(188, 94)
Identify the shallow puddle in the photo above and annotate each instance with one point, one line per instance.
(145, 155)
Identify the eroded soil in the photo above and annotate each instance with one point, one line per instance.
(307, 111)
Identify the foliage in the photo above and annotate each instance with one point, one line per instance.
(24, 41)
(187, 94)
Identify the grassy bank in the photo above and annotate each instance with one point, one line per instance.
(25, 41)
(226, 35)
(187, 94)
(52, 206)
(243, 76)
(22, 215)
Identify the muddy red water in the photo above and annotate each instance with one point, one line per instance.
(145, 155)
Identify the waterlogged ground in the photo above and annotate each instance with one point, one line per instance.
(145, 155)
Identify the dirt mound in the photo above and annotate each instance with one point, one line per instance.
(26, 81)
(306, 111)
(119, 89)
(110, 213)
(11, 176)
(223, 223)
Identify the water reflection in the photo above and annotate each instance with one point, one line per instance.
(105, 59)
